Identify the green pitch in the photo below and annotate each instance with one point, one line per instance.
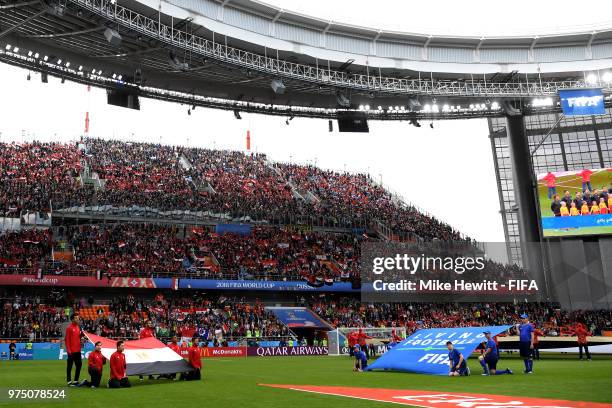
(571, 183)
(232, 382)
(581, 231)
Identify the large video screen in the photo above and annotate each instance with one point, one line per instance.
(576, 202)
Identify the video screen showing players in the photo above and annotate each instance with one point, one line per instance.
(576, 202)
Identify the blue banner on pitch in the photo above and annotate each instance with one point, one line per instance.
(578, 221)
(425, 351)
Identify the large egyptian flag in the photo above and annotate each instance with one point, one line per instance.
(145, 356)
(425, 351)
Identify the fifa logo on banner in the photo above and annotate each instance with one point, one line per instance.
(434, 359)
(581, 101)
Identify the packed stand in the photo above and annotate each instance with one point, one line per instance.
(242, 185)
(350, 312)
(35, 319)
(23, 251)
(348, 197)
(266, 253)
(31, 172)
(30, 317)
(222, 318)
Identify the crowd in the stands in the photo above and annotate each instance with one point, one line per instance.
(31, 172)
(346, 197)
(242, 185)
(213, 319)
(25, 249)
(29, 317)
(550, 318)
(219, 318)
(226, 184)
(35, 318)
(266, 253)
(152, 250)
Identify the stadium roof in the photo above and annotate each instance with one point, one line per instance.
(231, 54)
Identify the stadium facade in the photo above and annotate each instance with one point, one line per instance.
(244, 55)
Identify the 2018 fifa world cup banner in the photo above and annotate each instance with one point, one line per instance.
(426, 352)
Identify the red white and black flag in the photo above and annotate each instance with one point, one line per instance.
(146, 356)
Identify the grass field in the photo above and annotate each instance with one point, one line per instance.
(572, 183)
(233, 382)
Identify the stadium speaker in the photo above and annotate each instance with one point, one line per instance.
(277, 86)
(343, 100)
(122, 98)
(353, 122)
(511, 108)
(177, 63)
(113, 37)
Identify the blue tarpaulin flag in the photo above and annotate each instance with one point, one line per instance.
(425, 351)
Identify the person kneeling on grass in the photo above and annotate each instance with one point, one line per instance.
(490, 357)
(118, 377)
(456, 362)
(195, 360)
(95, 364)
(361, 359)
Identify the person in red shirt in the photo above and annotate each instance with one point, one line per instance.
(352, 341)
(73, 349)
(586, 179)
(195, 360)
(95, 364)
(118, 377)
(536, 341)
(551, 183)
(173, 345)
(396, 338)
(582, 333)
(362, 341)
(147, 331)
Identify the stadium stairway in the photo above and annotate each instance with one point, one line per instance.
(184, 162)
(383, 230)
(294, 189)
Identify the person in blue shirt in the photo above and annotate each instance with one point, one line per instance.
(526, 339)
(456, 362)
(490, 357)
(481, 358)
(361, 359)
